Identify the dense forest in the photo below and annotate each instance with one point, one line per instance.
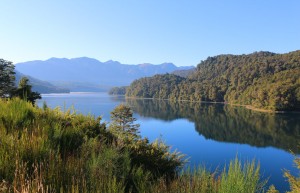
(118, 90)
(262, 80)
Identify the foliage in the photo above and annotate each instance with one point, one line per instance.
(65, 151)
(24, 91)
(44, 150)
(7, 84)
(158, 86)
(184, 73)
(123, 121)
(118, 90)
(275, 92)
(6, 78)
(241, 179)
(272, 189)
(293, 180)
(263, 80)
(154, 157)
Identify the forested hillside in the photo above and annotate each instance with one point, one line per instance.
(118, 90)
(158, 86)
(262, 80)
(184, 73)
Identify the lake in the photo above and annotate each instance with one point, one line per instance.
(209, 134)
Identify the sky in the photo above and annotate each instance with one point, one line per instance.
(146, 31)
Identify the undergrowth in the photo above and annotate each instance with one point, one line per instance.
(47, 150)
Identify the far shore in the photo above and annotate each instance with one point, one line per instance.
(225, 103)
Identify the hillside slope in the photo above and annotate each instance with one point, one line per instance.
(263, 80)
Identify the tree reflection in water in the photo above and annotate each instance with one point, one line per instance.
(227, 123)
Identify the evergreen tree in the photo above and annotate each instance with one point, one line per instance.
(7, 78)
(122, 122)
(24, 91)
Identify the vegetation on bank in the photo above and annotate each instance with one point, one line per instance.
(118, 90)
(45, 150)
(8, 89)
(49, 149)
(263, 80)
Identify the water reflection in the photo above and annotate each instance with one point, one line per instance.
(227, 123)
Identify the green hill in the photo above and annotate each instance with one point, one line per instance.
(262, 80)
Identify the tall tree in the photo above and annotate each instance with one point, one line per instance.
(7, 78)
(122, 121)
(24, 91)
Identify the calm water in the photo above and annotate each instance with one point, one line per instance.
(209, 134)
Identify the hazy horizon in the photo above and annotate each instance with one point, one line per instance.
(102, 61)
(112, 60)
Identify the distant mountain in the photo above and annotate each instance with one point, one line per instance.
(40, 86)
(91, 71)
(82, 86)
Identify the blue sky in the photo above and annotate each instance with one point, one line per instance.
(146, 31)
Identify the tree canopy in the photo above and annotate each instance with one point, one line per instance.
(7, 78)
(122, 121)
(7, 84)
(24, 91)
(118, 90)
(262, 79)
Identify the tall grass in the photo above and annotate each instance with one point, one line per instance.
(241, 178)
(294, 181)
(44, 150)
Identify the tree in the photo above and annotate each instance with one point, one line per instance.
(7, 78)
(263, 80)
(122, 122)
(24, 91)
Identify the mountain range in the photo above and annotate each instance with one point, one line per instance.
(88, 74)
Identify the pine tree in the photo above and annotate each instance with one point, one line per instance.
(24, 91)
(122, 122)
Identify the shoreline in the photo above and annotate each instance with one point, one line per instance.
(225, 103)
